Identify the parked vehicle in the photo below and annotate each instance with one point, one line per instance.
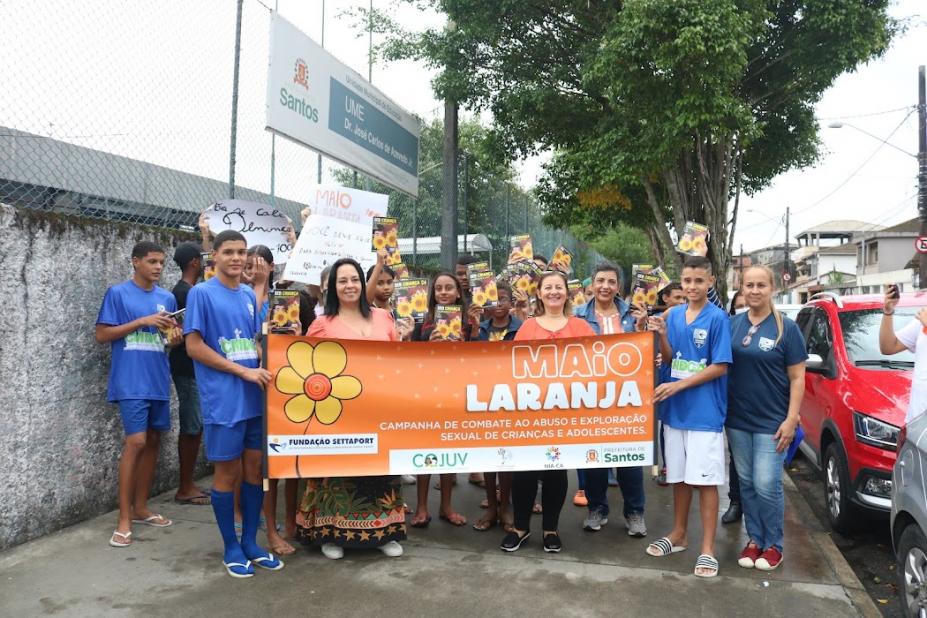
(789, 311)
(909, 516)
(855, 400)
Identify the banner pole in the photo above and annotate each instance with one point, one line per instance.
(264, 462)
(656, 420)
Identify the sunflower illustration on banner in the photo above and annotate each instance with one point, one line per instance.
(314, 376)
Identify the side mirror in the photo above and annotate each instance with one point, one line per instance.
(814, 363)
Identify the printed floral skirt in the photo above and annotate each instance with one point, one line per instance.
(365, 511)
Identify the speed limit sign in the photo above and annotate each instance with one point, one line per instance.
(921, 244)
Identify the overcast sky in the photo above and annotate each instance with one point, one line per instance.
(152, 80)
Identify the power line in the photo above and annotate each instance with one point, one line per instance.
(870, 114)
(861, 166)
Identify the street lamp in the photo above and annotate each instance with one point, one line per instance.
(840, 125)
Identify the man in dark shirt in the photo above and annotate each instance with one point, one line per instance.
(187, 257)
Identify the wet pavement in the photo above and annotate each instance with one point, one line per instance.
(445, 570)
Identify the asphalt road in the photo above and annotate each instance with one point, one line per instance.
(868, 550)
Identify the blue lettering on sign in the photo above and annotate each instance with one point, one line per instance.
(356, 119)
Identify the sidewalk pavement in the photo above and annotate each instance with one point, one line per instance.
(449, 571)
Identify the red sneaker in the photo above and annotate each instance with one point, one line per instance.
(749, 556)
(770, 560)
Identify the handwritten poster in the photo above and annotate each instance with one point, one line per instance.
(339, 226)
(259, 223)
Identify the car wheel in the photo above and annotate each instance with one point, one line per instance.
(841, 513)
(912, 571)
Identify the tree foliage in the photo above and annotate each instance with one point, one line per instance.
(678, 106)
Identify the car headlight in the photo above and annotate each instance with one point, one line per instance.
(874, 432)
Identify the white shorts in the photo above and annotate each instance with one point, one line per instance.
(694, 457)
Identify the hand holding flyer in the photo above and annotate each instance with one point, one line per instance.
(483, 289)
(562, 260)
(645, 289)
(386, 236)
(410, 299)
(694, 239)
(522, 250)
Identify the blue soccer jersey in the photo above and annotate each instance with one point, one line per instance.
(706, 341)
(227, 321)
(139, 367)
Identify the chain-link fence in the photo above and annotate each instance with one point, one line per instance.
(123, 111)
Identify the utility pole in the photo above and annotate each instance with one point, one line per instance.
(233, 140)
(508, 197)
(466, 197)
(787, 271)
(319, 176)
(449, 196)
(922, 171)
(740, 280)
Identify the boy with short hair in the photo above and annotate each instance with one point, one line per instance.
(188, 257)
(501, 325)
(139, 381)
(696, 339)
(221, 325)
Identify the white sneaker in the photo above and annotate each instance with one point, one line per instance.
(391, 549)
(408, 479)
(332, 551)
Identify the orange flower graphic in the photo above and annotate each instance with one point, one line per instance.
(314, 378)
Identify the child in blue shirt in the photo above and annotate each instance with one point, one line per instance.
(695, 340)
(220, 326)
(139, 380)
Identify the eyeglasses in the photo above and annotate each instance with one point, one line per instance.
(746, 340)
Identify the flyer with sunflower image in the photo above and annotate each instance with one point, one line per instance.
(524, 276)
(483, 290)
(522, 250)
(386, 236)
(449, 322)
(175, 331)
(694, 239)
(477, 267)
(209, 265)
(575, 291)
(284, 312)
(410, 299)
(645, 288)
(650, 269)
(562, 260)
(401, 271)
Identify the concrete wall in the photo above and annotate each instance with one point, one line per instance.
(59, 439)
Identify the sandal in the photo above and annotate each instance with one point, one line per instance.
(200, 500)
(126, 541)
(239, 570)
(663, 547)
(269, 562)
(422, 523)
(455, 519)
(156, 520)
(483, 524)
(708, 565)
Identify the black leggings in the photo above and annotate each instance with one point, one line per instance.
(553, 495)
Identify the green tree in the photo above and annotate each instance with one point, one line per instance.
(683, 105)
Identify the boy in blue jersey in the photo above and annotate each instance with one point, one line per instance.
(695, 339)
(220, 327)
(139, 381)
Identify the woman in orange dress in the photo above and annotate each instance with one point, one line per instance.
(552, 320)
(363, 512)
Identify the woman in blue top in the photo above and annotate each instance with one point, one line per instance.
(765, 387)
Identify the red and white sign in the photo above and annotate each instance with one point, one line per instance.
(786, 277)
(920, 244)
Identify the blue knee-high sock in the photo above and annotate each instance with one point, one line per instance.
(223, 506)
(252, 501)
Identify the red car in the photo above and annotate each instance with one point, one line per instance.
(855, 400)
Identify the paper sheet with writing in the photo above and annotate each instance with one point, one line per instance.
(259, 223)
(338, 227)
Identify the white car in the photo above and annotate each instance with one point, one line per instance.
(789, 311)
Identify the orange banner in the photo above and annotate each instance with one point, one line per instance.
(362, 408)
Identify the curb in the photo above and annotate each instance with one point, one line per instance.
(845, 575)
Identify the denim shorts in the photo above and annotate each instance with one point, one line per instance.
(188, 398)
(224, 443)
(140, 415)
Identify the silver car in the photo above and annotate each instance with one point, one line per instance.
(909, 516)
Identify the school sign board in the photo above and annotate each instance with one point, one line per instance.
(315, 100)
(363, 408)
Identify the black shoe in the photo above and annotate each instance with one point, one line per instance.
(512, 542)
(552, 544)
(732, 514)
